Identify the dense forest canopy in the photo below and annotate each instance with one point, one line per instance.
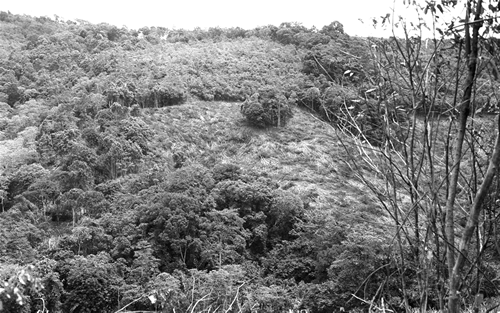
(211, 170)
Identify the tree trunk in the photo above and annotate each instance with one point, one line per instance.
(472, 220)
(455, 267)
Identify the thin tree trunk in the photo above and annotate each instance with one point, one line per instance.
(471, 53)
(474, 212)
(279, 114)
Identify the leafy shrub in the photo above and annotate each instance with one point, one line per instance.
(165, 94)
(269, 214)
(49, 296)
(190, 178)
(32, 288)
(287, 31)
(292, 261)
(16, 282)
(91, 284)
(254, 112)
(267, 108)
(284, 210)
(23, 178)
(18, 237)
(269, 299)
(226, 171)
(344, 107)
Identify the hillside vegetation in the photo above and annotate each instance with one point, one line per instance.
(196, 171)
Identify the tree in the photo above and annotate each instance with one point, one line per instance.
(145, 265)
(224, 238)
(43, 193)
(18, 238)
(21, 180)
(121, 143)
(70, 203)
(91, 283)
(200, 290)
(333, 29)
(269, 107)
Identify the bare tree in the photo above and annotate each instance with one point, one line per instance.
(418, 167)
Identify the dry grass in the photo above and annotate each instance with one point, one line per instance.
(305, 157)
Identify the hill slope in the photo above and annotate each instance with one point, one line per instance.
(305, 157)
(130, 178)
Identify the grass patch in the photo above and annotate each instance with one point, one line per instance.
(305, 156)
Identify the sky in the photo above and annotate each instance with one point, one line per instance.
(188, 14)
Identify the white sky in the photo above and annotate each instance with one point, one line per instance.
(210, 13)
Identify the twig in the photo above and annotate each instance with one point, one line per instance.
(369, 276)
(141, 311)
(324, 70)
(235, 297)
(473, 22)
(192, 293)
(130, 303)
(371, 303)
(492, 308)
(44, 309)
(346, 53)
(202, 299)
(363, 300)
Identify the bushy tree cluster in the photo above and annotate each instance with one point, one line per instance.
(268, 107)
(170, 244)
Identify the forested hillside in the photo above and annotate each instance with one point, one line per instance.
(209, 170)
